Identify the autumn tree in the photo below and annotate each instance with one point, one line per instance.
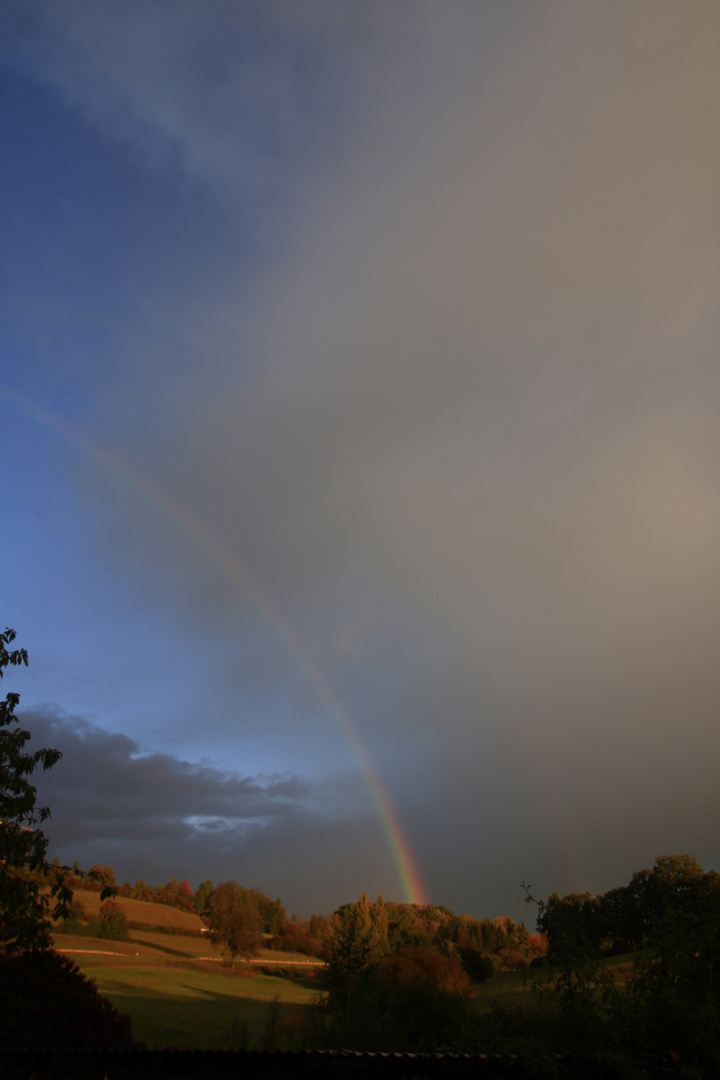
(273, 914)
(142, 890)
(203, 894)
(359, 941)
(101, 878)
(297, 936)
(234, 920)
(415, 966)
(407, 927)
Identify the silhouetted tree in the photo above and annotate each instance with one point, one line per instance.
(666, 1011)
(24, 899)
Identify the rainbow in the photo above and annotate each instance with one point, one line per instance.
(411, 884)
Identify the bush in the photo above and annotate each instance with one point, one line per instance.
(478, 965)
(297, 939)
(112, 924)
(412, 967)
(47, 1003)
(392, 1017)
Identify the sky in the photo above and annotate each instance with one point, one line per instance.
(359, 394)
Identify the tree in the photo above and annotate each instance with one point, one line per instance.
(272, 913)
(142, 890)
(184, 898)
(234, 920)
(28, 883)
(45, 1001)
(572, 924)
(667, 1008)
(112, 922)
(201, 899)
(359, 941)
(24, 900)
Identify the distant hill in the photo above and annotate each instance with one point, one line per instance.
(142, 911)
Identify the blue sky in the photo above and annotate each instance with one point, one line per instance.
(359, 366)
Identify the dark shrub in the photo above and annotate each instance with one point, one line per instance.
(478, 965)
(297, 938)
(47, 1003)
(392, 1017)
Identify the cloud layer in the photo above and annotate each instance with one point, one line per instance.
(154, 816)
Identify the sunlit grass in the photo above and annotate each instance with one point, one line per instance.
(197, 1008)
(141, 911)
(180, 991)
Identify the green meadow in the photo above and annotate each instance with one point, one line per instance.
(179, 991)
(183, 1002)
(188, 1005)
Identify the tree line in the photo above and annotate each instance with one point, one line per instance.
(625, 919)
(243, 920)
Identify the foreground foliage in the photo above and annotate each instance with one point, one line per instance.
(24, 900)
(661, 1014)
(32, 891)
(47, 1003)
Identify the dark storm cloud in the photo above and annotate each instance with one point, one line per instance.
(106, 788)
(155, 816)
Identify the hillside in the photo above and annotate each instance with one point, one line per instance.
(175, 988)
(142, 911)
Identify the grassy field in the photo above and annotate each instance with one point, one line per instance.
(141, 911)
(512, 987)
(197, 1006)
(505, 987)
(180, 992)
(176, 999)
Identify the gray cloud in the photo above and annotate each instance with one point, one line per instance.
(107, 786)
(156, 816)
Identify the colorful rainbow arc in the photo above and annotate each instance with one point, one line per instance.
(409, 878)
